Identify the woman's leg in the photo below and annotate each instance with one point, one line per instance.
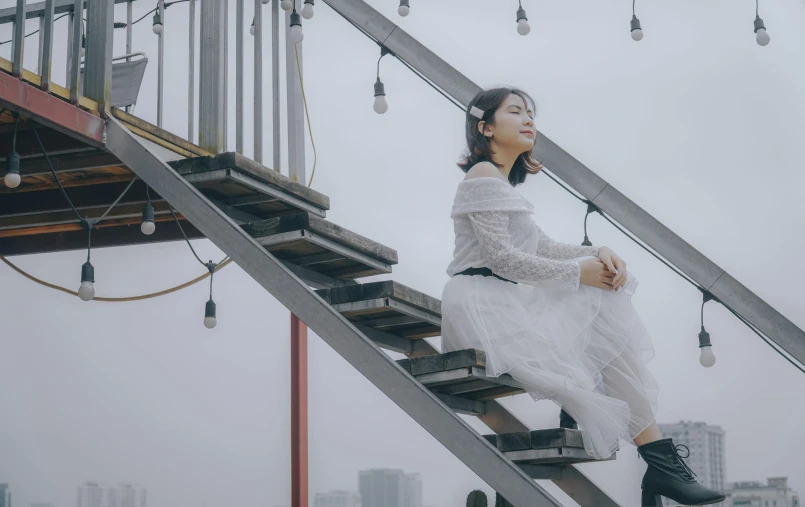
(650, 434)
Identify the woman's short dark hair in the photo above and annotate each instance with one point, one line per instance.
(478, 148)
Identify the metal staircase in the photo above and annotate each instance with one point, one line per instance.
(276, 230)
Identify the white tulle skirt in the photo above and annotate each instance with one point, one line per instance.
(586, 350)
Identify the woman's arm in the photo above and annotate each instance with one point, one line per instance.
(551, 249)
(492, 230)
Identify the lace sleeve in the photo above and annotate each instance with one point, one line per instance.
(551, 249)
(491, 229)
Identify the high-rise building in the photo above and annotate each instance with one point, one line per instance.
(337, 498)
(706, 445)
(775, 493)
(5, 496)
(93, 494)
(382, 487)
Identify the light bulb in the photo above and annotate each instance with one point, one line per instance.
(403, 10)
(762, 36)
(522, 27)
(265, 1)
(296, 34)
(637, 35)
(87, 291)
(12, 180)
(307, 10)
(209, 315)
(286, 5)
(707, 358)
(157, 29)
(381, 106)
(148, 227)
(251, 28)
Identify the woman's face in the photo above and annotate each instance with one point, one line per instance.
(514, 125)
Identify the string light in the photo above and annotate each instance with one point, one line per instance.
(380, 105)
(296, 34)
(706, 358)
(148, 226)
(637, 31)
(522, 21)
(761, 35)
(286, 5)
(12, 178)
(307, 10)
(404, 8)
(591, 208)
(157, 26)
(86, 291)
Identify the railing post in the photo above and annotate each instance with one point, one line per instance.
(258, 81)
(275, 84)
(46, 50)
(74, 77)
(18, 40)
(239, 75)
(211, 77)
(293, 89)
(191, 89)
(98, 61)
(160, 63)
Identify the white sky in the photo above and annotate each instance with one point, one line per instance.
(697, 124)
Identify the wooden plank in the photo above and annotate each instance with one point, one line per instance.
(157, 140)
(384, 289)
(540, 439)
(50, 229)
(166, 139)
(68, 162)
(103, 237)
(254, 169)
(27, 185)
(464, 358)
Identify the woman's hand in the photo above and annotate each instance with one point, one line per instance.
(596, 274)
(615, 265)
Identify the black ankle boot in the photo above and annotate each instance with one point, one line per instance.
(667, 475)
(565, 421)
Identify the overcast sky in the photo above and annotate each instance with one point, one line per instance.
(697, 124)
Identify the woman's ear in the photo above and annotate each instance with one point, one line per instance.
(481, 125)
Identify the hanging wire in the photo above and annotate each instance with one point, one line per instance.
(53, 171)
(35, 31)
(185, 236)
(633, 2)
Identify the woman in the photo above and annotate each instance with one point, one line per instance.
(556, 317)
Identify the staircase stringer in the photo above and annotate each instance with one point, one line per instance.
(417, 401)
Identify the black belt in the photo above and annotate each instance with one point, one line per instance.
(482, 272)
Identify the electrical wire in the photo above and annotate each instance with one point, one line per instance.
(185, 236)
(307, 115)
(224, 262)
(35, 31)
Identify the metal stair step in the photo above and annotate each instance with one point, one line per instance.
(240, 182)
(462, 374)
(320, 246)
(388, 306)
(555, 446)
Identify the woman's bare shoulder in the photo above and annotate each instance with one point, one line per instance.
(484, 170)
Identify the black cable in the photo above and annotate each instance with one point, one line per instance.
(35, 31)
(89, 240)
(754, 330)
(53, 171)
(97, 220)
(167, 4)
(633, 2)
(185, 236)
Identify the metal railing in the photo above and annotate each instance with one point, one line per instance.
(89, 58)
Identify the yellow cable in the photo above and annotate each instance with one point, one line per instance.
(304, 99)
(221, 265)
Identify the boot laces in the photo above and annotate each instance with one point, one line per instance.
(679, 460)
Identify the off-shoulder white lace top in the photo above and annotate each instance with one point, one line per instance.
(495, 228)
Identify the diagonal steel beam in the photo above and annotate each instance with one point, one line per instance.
(422, 405)
(644, 226)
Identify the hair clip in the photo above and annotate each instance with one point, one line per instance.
(476, 112)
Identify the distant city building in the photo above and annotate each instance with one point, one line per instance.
(382, 487)
(338, 498)
(775, 493)
(5, 496)
(41, 505)
(706, 445)
(93, 494)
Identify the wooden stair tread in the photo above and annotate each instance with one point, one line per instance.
(318, 245)
(558, 446)
(388, 306)
(239, 181)
(462, 374)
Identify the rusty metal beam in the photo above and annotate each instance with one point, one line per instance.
(31, 102)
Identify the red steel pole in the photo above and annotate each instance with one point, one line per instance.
(299, 468)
